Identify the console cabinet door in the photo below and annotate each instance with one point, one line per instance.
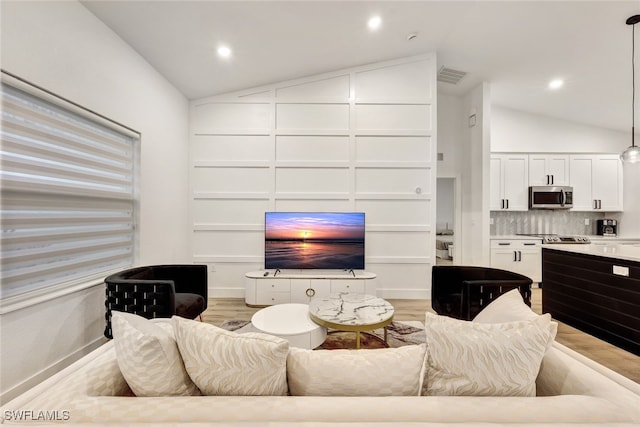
(304, 290)
(345, 285)
(273, 291)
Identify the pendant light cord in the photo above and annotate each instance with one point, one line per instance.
(633, 85)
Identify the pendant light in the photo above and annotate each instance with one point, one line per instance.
(632, 154)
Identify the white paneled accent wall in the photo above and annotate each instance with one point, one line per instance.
(361, 139)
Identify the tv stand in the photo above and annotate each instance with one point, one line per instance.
(270, 287)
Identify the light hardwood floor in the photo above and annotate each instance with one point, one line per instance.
(621, 361)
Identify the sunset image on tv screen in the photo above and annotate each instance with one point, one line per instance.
(318, 240)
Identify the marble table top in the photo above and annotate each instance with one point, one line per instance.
(351, 309)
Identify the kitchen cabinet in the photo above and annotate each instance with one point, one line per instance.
(548, 169)
(597, 182)
(509, 182)
(522, 256)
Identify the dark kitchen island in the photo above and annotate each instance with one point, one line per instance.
(595, 288)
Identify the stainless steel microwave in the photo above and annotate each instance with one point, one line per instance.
(550, 197)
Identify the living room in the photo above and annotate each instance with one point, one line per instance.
(66, 49)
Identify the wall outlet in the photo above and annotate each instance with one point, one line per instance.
(621, 271)
(586, 221)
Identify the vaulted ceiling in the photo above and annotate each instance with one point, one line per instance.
(516, 46)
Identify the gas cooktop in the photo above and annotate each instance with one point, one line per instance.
(555, 238)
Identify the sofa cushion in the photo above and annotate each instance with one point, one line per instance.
(149, 358)
(380, 372)
(510, 307)
(474, 359)
(226, 363)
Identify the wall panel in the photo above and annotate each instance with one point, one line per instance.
(393, 117)
(392, 285)
(229, 211)
(228, 243)
(395, 212)
(332, 88)
(361, 139)
(213, 118)
(306, 148)
(312, 116)
(405, 81)
(393, 180)
(232, 179)
(393, 149)
(312, 205)
(236, 148)
(312, 180)
(397, 244)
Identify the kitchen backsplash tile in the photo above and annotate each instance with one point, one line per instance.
(543, 222)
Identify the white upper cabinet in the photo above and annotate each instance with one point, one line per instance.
(509, 182)
(548, 169)
(596, 181)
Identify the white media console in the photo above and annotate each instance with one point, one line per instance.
(265, 287)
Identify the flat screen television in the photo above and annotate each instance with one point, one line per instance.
(314, 240)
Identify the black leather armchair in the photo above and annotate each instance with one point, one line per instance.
(157, 291)
(463, 291)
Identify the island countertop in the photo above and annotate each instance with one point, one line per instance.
(629, 252)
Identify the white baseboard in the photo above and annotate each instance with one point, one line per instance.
(47, 372)
(226, 293)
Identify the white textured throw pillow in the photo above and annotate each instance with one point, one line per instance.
(475, 359)
(380, 372)
(510, 307)
(149, 358)
(226, 363)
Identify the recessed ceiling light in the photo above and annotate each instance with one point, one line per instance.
(224, 52)
(556, 84)
(375, 22)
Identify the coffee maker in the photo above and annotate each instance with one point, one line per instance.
(607, 227)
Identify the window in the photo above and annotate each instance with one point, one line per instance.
(68, 197)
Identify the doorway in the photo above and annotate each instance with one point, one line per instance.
(447, 220)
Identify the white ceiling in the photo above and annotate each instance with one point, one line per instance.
(517, 46)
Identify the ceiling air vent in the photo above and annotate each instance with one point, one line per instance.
(448, 75)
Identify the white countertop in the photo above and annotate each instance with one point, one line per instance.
(515, 237)
(629, 252)
(614, 239)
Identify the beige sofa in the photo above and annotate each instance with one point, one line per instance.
(570, 390)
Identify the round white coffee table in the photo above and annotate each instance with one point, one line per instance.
(291, 322)
(352, 312)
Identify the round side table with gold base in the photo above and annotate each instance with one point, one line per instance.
(352, 313)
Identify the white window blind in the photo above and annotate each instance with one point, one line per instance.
(68, 199)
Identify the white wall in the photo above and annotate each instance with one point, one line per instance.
(475, 181)
(452, 126)
(361, 139)
(64, 48)
(517, 131)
